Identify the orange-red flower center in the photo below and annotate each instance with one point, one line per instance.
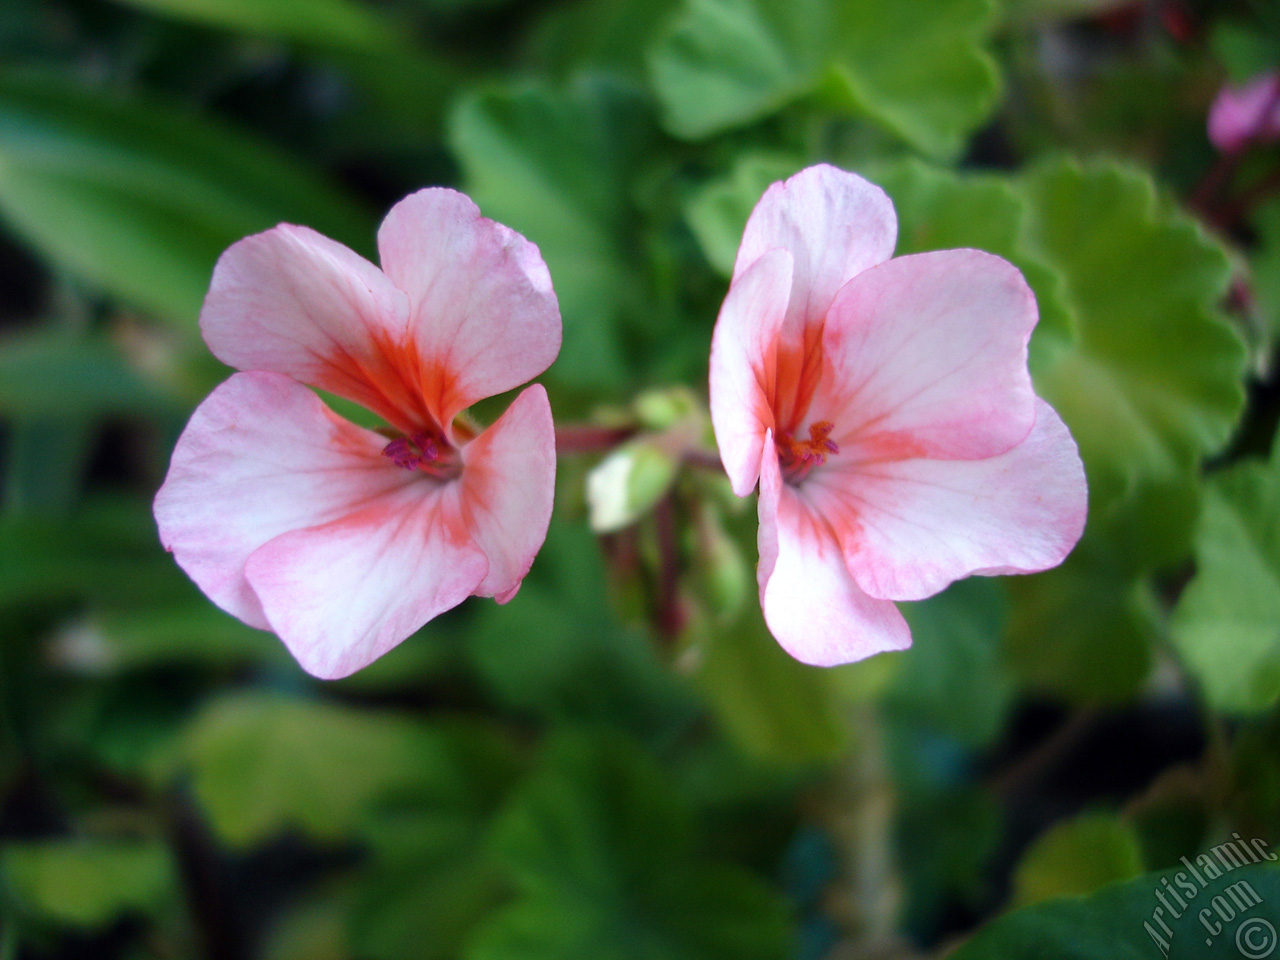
(798, 457)
(429, 452)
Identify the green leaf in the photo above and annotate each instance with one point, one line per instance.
(773, 706)
(1153, 381)
(88, 883)
(1082, 631)
(939, 209)
(1227, 623)
(603, 853)
(936, 94)
(1265, 271)
(1150, 383)
(52, 375)
(141, 199)
(953, 680)
(946, 840)
(554, 165)
(104, 552)
(1077, 856)
(193, 631)
(1126, 921)
(337, 23)
(432, 879)
(559, 653)
(725, 63)
(599, 35)
(717, 213)
(262, 764)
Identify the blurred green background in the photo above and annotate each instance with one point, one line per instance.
(621, 764)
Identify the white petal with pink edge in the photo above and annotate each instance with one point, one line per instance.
(262, 456)
(927, 356)
(483, 314)
(835, 224)
(507, 490)
(744, 365)
(812, 606)
(342, 594)
(909, 528)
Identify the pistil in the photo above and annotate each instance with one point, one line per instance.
(798, 457)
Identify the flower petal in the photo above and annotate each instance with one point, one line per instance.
(927, 356)
(295, 302)
(261, 456)
(835, 224)
(744, 365)
(812, 605)
(508, 485)
(1246, 114)
(342, 594)
(483, 314)
(908, 528)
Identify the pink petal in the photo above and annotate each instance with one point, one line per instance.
(483, 314)
(908, 528)
(927, 356)
(342, 594)
(834, 224)
(811, 604)
(744, 365)
(1241, 115)
(261, 456)
(294, 302)
(508, 485)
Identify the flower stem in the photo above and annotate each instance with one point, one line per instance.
(586, 438)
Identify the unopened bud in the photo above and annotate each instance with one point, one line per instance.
(627, 483)
(663, 409)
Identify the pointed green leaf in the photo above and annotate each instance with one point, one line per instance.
(141, 199)
(553, 164)
(337, 23)
(52, 375)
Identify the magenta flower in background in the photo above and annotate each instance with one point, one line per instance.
(1248, 114)
(342, 540)
(885, 408)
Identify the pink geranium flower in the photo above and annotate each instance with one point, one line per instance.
(886, 410)
(1248, 114)
(342, 540)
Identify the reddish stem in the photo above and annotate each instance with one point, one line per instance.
(670, 618)
(590, 439)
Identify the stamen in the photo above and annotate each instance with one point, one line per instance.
(798, 457)
(423, 451)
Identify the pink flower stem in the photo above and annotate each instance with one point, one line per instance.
(669, 618)
(704, 460)
(1228, 213)
(590, 439)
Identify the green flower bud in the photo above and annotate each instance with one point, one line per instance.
(627, 483)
